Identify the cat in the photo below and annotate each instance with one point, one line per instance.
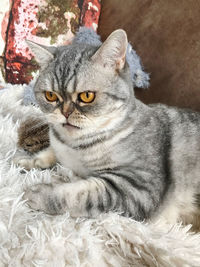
(141, 161)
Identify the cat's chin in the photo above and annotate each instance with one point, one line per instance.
(70, 126)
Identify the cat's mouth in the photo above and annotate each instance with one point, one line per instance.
(69, 125)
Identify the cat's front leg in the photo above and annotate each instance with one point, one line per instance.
(42, 160)
(47, 198)
(120, 191)
(78, 198)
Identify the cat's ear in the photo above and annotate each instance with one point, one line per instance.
(112, 53)
(43, 54)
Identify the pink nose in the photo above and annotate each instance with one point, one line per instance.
(67, 109)
(66, 114)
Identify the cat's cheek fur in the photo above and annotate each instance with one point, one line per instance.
(55, 118)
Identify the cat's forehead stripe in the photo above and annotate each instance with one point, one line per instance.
(67, 66)
(70, 87)
(66, 71)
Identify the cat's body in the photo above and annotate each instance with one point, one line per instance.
(142, 161)
(165, 152)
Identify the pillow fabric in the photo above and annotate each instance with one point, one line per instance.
(48, 22)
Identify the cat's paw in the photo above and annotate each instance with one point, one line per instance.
(30, 163)
(44, 197)
(26, 163)
(41, 163)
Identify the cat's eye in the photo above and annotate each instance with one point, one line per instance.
(50, 96)
(86, 97)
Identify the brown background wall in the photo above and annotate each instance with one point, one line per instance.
(166, 35)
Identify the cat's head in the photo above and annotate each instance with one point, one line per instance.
(84, 89)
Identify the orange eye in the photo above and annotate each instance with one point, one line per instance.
(50, 96)
(87, 97)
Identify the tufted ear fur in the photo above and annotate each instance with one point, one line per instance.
(112, 53)
(43, 54)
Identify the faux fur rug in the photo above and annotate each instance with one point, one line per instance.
(29, 238)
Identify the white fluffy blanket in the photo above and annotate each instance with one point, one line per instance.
(29, 238)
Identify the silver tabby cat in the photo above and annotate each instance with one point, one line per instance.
(139, 160)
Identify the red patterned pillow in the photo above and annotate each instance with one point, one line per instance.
(49, 22)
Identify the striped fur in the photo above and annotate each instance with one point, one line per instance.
(129, 157)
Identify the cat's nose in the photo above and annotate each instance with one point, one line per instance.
(66, 114)
(67, 109)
